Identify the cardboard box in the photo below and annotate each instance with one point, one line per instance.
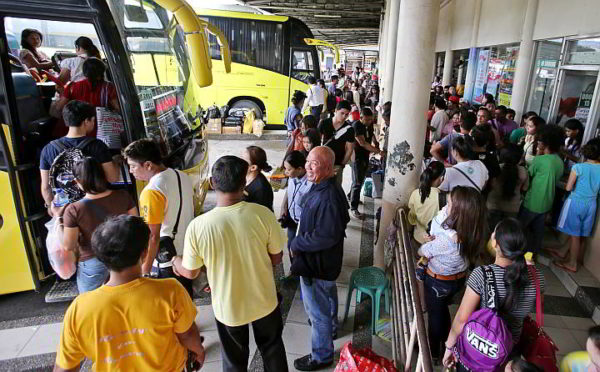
(232, 130)
(214, 126)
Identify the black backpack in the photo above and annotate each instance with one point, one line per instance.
(61, 170)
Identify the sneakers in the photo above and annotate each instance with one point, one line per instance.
(306, 363)
(356, 214)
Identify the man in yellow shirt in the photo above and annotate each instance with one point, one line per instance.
(239, 243)
(130, 323)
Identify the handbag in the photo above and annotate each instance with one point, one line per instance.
(162, 267)
(362, 360)
(535, 344)
(109, 123)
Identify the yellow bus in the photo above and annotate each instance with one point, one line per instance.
(119, 27)
(270, 60)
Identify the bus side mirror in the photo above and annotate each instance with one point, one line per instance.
(195, 38)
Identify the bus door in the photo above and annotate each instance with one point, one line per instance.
(304, 63)
(20, 217)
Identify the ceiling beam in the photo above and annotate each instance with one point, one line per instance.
(316, 10)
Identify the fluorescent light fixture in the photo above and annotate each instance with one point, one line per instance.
(327, 16)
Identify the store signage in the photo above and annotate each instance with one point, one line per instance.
(547, 63)
(481, 75)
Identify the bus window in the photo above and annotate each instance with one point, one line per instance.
(252, 42)
(302, 65)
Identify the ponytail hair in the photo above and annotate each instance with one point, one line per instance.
(511, 239)
(434, 170)
(87, 44)
(258, 157)
(510, 156)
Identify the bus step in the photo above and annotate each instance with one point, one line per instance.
(62, 291)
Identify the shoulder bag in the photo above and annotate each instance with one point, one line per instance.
(162, 265)
(535, 344)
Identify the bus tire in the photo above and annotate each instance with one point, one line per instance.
(248, 105)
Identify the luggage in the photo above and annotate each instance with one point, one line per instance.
(362, 360)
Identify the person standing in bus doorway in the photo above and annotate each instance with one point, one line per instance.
(317, 252)
(338, 135)
(166, 202)
(130, 323)
(80, 118)
(238, 243)
(315, 98)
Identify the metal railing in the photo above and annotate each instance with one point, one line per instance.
(408, 324)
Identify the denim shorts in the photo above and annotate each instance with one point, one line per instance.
(91, 274)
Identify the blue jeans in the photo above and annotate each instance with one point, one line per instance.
(91, 274)
(321, 305)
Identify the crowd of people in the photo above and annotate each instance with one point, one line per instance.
(486, 194)
(488, 189)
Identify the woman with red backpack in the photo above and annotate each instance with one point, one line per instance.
(498, 297)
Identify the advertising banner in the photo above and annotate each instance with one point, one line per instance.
(481, 75)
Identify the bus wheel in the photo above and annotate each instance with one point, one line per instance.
(247, 105)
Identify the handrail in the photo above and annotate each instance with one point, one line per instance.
(408, 324)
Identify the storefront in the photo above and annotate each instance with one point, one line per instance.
(565, 82)
(494, 73)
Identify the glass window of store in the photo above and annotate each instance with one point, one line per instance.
(545, 72)
(495, 73)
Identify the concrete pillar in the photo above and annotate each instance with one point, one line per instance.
(390, 54)
(417, 32)
(472, 68)
(448, 59)
(524, 60)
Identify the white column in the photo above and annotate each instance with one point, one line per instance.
(472, 68)
(438, 65)
(417, 32)
(524, 60)
(448, 59)
(390, 53)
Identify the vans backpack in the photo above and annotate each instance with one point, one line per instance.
(485, 341)
(61, 170)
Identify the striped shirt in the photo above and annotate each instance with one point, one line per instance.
(523, 305)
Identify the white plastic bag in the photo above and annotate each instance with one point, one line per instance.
(62, 261)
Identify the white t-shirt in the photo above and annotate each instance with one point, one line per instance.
(315, 96)
(474, 169)
(75, 67)
(159, 204)
(438, 121)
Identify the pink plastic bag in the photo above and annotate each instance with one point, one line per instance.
(62, 261)
(362, 360)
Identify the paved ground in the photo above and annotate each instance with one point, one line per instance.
(30, 328)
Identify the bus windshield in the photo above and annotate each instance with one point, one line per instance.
(161, 71)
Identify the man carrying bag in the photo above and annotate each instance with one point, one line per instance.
(166, 204)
